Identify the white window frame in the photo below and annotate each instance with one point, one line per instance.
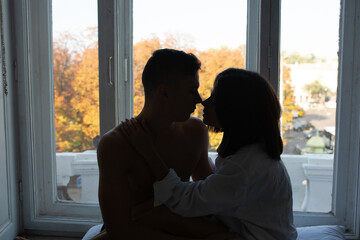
(42, 212)
(9, 197)
(33, 31)
(115, 62)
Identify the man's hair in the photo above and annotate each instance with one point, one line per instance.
(249, 112)
(168, 66)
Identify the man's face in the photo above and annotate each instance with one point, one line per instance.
(183, 98)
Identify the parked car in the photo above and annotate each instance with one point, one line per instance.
(301, 126)
(312, 133)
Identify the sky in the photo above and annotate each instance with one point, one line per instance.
(306, 26)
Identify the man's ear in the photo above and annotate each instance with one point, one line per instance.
(162, 92)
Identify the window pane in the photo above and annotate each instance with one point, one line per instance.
(309, 71)
(214, 32)
(76, 98)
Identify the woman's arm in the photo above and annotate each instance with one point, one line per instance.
(223, 190)
(219, 191)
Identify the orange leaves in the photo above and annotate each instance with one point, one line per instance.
(76, 96)
(289, 104)
(214, 61)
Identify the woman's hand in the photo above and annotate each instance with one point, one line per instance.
(138, 135)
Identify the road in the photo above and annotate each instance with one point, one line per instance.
(320, 117)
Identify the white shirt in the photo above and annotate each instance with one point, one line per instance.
(249, 192)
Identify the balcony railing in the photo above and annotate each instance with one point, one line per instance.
(311, 178)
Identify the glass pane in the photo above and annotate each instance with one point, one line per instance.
(309, 71)
(76, 98)
(214, 31)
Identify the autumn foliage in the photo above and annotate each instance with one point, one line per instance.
(76, 85)
(76, 94)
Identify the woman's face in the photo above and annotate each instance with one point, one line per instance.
(209, 113)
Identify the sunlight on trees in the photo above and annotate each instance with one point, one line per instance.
(76, 92)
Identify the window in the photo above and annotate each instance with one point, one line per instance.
(76, 98)
(47, 208)
(346, 156)
(44, 206)
(308, 83)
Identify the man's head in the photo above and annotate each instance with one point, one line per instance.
(171, 77)
(168, 66)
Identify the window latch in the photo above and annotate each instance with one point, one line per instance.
(110, 71)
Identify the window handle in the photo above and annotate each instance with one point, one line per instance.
(110, 71)
(126, 69)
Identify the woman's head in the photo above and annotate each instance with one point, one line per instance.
(247, 111)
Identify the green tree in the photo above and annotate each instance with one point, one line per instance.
(297, 58)
(316, 90)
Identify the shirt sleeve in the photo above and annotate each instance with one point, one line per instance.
(219, 191)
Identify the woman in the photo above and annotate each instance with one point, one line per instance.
(250, 190)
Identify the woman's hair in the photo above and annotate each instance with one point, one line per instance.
(168, 66)
(248, 110)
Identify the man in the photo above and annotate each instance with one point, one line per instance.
(171, 83)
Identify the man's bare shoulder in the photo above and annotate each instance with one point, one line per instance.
(194, 126)
(113, 148)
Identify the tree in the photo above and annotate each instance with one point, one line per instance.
(85, 101)
(76, 90)
(296, 58)
(289, 103)
(213, 62)
(316, 90)
(65, 62)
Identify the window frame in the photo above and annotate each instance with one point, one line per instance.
(345, 205)
(42, 214)
(9, 218)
